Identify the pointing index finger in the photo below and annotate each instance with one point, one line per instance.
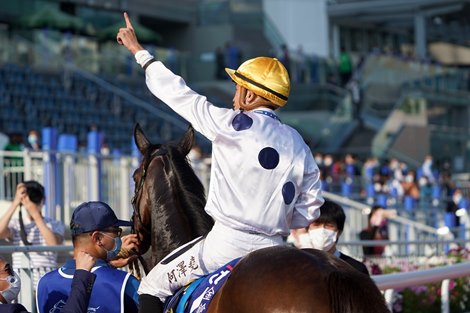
(128, 21)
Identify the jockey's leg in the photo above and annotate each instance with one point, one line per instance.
(150, 304)
(176, 270)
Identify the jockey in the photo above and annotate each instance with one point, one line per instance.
(264, 180)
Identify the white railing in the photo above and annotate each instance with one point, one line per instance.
(399, 228)
(72, 178)
(391, 282)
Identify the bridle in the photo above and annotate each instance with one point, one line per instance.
(135, 199)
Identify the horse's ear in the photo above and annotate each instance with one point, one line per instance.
(187, 142)
(141, 140)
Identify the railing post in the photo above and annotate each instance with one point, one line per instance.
(445, 296)
(26, 296)
(27, 170)
(67, 144)
(49, 145)
(124, 188)
(388, 295)
(94, 166)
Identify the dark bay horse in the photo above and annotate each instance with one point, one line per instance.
(169, 211)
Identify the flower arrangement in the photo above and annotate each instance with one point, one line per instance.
(427, 298)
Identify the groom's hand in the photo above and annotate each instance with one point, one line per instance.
(126, 36)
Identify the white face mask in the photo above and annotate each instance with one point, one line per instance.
(304, 241)
(12, 292)
(322, 238)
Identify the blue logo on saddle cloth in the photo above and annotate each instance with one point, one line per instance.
(196, 297)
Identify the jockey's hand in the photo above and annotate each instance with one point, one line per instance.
(126, 36)
(84, 261)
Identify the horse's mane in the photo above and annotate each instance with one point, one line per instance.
(184, 183)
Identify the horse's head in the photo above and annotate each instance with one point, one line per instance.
(167, 193)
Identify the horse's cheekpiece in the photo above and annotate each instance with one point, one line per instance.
(195, 297)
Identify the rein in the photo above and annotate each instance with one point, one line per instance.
(134, 201)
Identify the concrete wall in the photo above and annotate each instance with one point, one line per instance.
(413, 141)
(202, 42)
(301, 22)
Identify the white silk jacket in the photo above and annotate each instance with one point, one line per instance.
(263, 178)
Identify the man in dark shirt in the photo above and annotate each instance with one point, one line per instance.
(324, 232)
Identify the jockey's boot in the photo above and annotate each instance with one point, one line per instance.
(150, 304)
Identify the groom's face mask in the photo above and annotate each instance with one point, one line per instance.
(10, 284)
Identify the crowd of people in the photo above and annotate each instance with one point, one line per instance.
(390, 177)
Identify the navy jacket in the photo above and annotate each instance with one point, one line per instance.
(79, 297)
(77, 302)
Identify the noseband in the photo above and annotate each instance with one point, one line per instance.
(135, 199)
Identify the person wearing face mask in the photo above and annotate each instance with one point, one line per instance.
(10, 285)
(82, 283)
(323, 234)
(33, 141)
(325, 231)
(95, 230)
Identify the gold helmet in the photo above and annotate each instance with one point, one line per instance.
(266, 77)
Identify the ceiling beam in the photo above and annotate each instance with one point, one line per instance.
(381, 6)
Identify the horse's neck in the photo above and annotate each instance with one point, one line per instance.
(178, 215)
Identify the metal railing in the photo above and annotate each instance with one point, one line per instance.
(389, 283)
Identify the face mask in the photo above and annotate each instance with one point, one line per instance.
(304, 241)
(409, 179)
(456, 198)
(12, 292)
(423, 181)
(322, 238)
(32, 139)
(112, 254)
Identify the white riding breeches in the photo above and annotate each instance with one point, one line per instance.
(221, 245)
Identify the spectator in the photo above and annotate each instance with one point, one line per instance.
(15, 144)
(377, 229)
(301, 68)
(427, 169)
(232, 55)
(219, 64)
(284, 57)
(95, 230)
(323, 234)
(345, 67)
(33, 141)
(410, 187)
(38, 230)
(4, 140)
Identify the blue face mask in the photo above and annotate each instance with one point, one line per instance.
(112, 254)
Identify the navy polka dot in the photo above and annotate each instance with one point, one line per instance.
(268, 158)
(288, 192)
(242, 122)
